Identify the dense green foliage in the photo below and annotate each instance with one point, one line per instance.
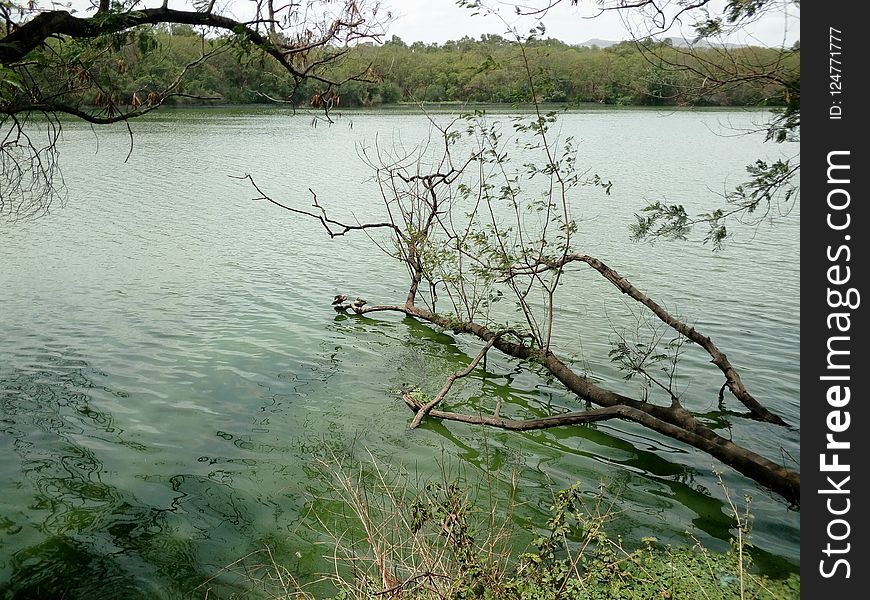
(490, 69)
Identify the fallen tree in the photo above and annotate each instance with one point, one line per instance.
(470, 231)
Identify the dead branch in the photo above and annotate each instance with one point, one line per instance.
(732, 377)
(427, 408)
(673, 421)
(333, 228)
(495, 420)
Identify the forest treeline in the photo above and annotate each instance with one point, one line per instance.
(490, 69)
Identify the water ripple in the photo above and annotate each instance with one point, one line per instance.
(169, 361)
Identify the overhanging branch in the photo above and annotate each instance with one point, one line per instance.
(29, 36)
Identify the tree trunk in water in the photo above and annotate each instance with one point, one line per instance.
(673, 421)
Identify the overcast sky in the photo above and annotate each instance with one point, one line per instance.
(441, 20)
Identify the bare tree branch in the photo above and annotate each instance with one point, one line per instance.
(333, 228)
(732, 377)
(427, 408)
(28, 36)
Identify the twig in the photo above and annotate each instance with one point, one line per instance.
(338, 228)
(424, 410)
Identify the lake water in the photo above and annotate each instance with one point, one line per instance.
(171, 369)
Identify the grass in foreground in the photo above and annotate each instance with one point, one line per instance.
(391, 540)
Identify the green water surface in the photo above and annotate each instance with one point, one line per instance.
(171, 369)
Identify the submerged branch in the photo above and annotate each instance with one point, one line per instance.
(673, 421)
(427, 408)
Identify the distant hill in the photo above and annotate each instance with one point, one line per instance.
(677, 42)
(598, 42)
